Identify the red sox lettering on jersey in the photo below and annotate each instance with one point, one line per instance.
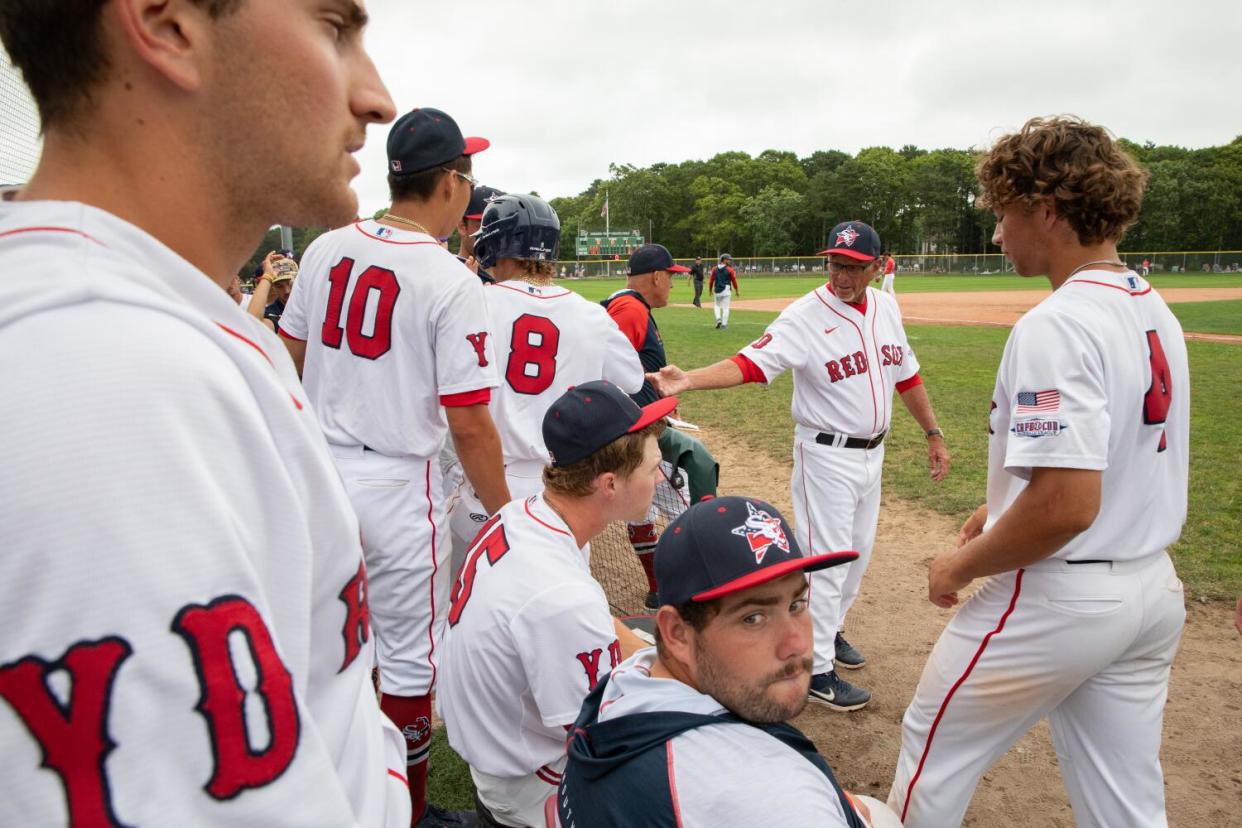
(834, 350)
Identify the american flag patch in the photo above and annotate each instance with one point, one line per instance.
(1037, 402)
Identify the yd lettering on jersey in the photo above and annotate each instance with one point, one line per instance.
(75, 732)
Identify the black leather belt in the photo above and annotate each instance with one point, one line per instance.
(825, 439)
(1088, 561)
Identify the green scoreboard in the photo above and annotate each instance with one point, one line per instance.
(595, 243)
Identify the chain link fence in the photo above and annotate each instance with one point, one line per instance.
(980, 264)
(19, 127)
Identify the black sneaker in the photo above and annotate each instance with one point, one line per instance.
(847, 656)
(436, 817)
(651, 602)
(717, 323)
(831, 690)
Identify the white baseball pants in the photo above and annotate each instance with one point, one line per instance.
(722, 305)
(1087, 645)
(400, 507)
(836, 498)
(887, 287)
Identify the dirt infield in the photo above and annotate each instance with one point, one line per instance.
(895, 626)
(1000, 307)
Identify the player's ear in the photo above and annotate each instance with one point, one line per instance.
(675, 635)
(173, 37)
(606, 484)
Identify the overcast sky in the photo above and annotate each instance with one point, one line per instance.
(562, 88)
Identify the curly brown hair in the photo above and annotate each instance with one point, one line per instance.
(1093, 183)
(621, 457)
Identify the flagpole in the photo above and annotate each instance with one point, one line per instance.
(608, 230)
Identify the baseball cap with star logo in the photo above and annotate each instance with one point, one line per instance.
(728, 544)
(854, 239)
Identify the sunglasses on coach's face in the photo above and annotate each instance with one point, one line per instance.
(848, 270)
(469, 179)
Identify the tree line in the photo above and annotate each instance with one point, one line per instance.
(920, 201)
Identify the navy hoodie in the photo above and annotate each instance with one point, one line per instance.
(617, 775)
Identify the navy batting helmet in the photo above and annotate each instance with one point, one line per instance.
(517, 227)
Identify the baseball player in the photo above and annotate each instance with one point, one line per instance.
(724, 285)
(890, 275)
(699, 723)
(189, 644)
(1087, 469)
(530, 629)
(695, 280)
(468, 228)
(395, 354)
(848, 350)
(547, 339)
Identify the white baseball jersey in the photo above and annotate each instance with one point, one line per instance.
(396, 326)
(1094, 377)
(724, 775)
(549, 340)
(1088, 380)
(185, 607)
(530, 634)
(846, 361)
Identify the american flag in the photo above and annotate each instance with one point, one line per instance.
(1035, 402)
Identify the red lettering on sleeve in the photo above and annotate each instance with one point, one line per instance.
(357, 629)
(479, 342)
(590, 663)
(74, 735)
(238, 766)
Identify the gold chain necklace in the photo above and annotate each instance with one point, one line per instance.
(1100, 262)
(403, 220)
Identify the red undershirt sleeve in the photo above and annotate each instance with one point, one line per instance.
(283, 334)
(631, 318)
(906, 385)
(750, 371)
(481, 397)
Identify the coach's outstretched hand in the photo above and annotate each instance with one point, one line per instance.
(670, 381)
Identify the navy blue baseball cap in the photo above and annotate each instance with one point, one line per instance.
(652, 257)
(480, 196)
(427, 138)
(728, 544)
(854, 239)
(590, 416)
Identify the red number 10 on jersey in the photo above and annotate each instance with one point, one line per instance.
(372, 280)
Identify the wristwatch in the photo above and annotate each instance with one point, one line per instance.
(934, 432)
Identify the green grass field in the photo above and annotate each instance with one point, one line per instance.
(959, 366)
(1210, 317)
(771, 287)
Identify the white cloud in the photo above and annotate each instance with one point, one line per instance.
(565, 87)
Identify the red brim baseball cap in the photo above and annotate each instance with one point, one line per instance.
(855, 239)
(475, 144)
(589, 416)
(729, 544)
